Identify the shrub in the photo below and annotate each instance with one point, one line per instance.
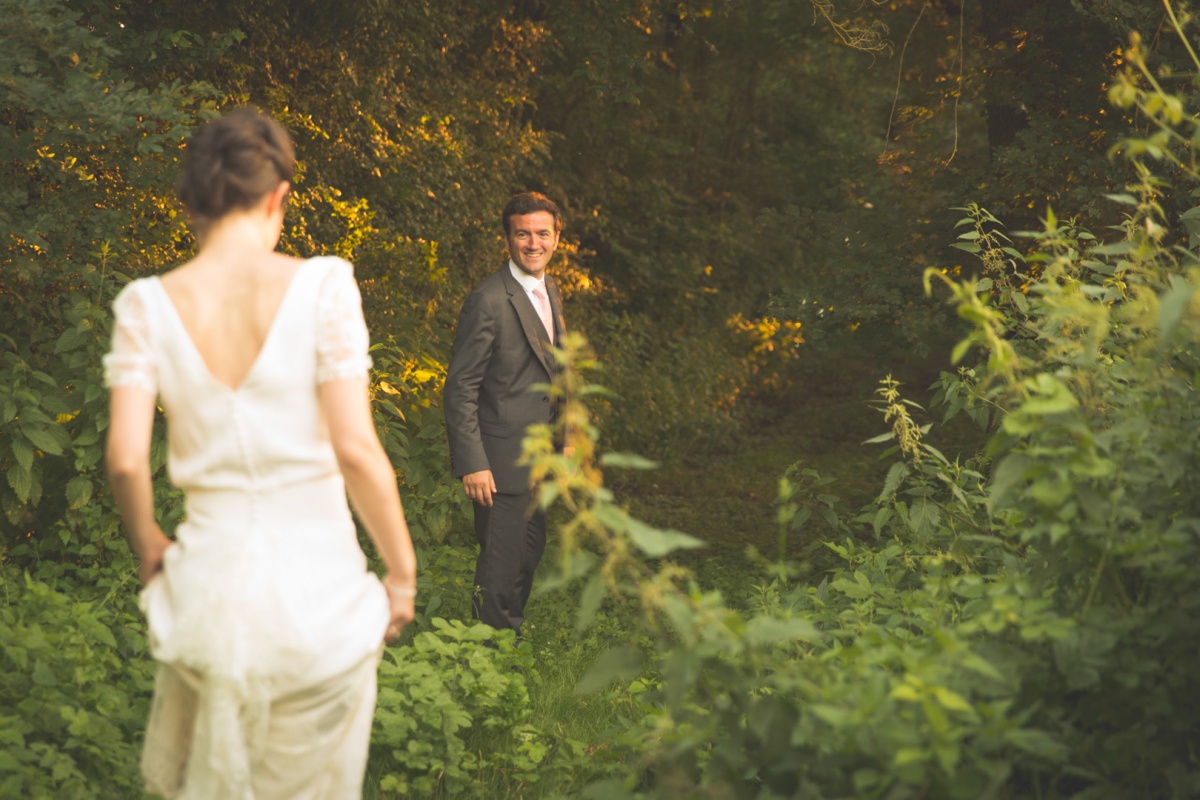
(453, 714)
(1020, 623)
(75, 685)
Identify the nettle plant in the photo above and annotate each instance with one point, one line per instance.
(453, 717)
(886, 678)
(1018, 623)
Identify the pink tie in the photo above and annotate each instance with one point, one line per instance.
(544, 312)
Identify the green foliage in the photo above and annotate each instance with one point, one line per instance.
(1016, 624)
(453, 716)
(412, 431)
(74, 692)
(85, 177)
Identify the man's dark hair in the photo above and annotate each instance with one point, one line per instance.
(529, 203)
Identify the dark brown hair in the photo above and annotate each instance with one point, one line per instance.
(529, 203)
(231, 163)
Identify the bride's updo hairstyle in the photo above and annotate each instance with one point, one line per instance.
(231, 163)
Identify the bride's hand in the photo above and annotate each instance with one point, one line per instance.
(401, 604)
(150, 556)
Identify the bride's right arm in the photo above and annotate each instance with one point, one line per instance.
(342, 373)
(371, 484)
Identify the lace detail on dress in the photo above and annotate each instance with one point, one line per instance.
(342, 338)
(130, 362)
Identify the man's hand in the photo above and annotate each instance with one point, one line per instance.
(480, 486)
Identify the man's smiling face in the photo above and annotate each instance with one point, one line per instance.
(532, 240)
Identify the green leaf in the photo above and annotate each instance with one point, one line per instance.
(1123, 199)
(937, 718)
(865, 780)
(961, 349)
(981, 666)
(924, 517)
(837, 717)
(71, 339)
(87, 437)
(617, 664)
(626, 461)
(881, 518)
(21, 481)
(1037, 743)
(575, 565)
(79, 491)
(1118, 249)
(896, 474)
(23, 452)
(947, 754)
(679, 612)
(952, 700)
(651, 541)
(853, 590)
(909, 755)
(589, 601)
(43, 675)
(43, 439)
(1053, 397)
(769, 630)
(1011, 472)
(1171, 307)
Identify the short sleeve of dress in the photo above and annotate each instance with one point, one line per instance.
(130, 362)
(342, 338)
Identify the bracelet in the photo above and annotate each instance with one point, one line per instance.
(403, 591)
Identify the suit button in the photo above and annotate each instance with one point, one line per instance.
(545, 399)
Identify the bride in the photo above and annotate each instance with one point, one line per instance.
(264, 619)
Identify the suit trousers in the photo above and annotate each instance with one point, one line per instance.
(512, 536)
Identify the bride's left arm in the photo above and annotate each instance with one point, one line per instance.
(132, 378)
(127, 458)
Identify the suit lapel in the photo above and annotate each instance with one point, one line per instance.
(531, 323)
(560, 326)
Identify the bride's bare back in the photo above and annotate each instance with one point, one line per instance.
(227, 307)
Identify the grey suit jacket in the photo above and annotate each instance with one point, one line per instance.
(500, 351)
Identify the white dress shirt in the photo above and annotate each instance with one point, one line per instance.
(530, 284)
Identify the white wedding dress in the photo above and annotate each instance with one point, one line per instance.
(264, 618)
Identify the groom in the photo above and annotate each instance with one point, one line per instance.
(501, 349)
